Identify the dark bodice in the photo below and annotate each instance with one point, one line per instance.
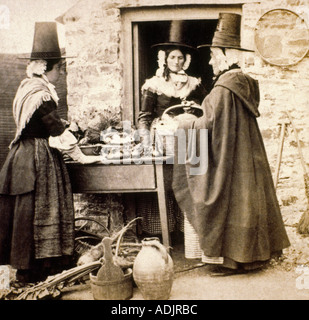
(44, 122)
(153, 104)
(157, 104)
(18, 174)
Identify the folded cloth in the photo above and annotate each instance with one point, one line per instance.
(67, 144)
(65, 141)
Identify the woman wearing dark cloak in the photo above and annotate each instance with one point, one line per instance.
(233, 206)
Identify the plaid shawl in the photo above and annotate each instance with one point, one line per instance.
(53, 212)
(31, 93)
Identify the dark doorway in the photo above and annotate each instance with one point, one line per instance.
(146, 34)
(197, 32)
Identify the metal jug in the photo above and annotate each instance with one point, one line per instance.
(163, 129)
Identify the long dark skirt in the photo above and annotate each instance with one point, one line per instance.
(17, 243)
(16, 230)
(36, 226)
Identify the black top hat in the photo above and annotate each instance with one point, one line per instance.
(227, 34)
(45, 42)
(176, 36)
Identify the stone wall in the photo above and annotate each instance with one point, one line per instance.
(94, 75)
(282, 89)
(93, 33)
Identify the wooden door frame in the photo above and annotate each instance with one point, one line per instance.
(129, 42)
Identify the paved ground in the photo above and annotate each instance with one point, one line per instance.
(272, 283)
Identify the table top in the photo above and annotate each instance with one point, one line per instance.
(101, 177)
(130, 161)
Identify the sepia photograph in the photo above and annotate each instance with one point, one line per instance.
(154, 151)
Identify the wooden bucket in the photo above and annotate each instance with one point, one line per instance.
(112, 290)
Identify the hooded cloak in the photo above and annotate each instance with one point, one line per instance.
(233, 206)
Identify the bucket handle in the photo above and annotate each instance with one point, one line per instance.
(186, 108)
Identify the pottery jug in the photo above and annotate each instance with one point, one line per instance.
(153, 270)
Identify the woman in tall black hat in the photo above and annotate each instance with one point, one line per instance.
(36, 203)
(170, 86)
(233, 206)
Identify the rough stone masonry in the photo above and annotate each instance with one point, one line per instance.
(95, 82)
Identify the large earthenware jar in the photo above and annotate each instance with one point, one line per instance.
(153, 270)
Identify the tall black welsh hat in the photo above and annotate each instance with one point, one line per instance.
(45, 42)
(227, 34)
(176, 37)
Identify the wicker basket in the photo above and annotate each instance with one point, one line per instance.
(155, 289)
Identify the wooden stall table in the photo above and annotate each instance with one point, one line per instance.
(153, 176)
